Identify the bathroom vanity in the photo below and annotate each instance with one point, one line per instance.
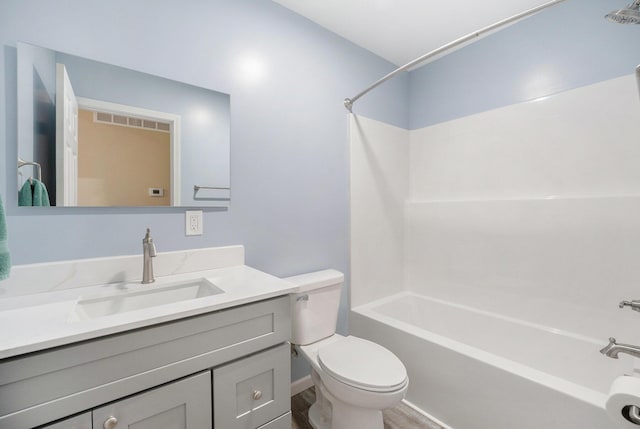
(216, 361)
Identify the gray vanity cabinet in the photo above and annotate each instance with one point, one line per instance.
(252, 391)
(167, 407)
(82, 421)
(282, 422)
(145, 377)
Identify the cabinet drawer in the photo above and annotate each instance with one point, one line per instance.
(252, 391)
(184, 404)
(82, 421)
(282, 422)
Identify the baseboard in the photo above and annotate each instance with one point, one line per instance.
(427, 415)
(301, 384)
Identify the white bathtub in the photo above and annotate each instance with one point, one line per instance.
(472, 369)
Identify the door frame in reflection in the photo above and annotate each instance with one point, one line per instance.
(152, 115)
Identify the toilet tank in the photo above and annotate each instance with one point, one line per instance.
(314, 306)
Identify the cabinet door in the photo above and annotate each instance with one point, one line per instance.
(184, 404)
(82, 421)
(252, 391)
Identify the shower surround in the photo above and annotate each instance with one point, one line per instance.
(515, 226)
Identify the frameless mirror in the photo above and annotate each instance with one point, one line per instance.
(98, 135)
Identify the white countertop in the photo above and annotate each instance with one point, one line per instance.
(36, 322)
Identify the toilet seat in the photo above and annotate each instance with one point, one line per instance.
(363, 364)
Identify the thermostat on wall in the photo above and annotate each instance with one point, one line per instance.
(156, 192)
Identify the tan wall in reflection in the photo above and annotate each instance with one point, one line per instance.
(117, 165)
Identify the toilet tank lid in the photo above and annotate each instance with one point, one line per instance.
(316, 279)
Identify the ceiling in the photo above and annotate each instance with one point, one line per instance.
(401, 30)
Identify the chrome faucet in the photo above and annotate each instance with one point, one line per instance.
(613, 349)
(634, 305)
(149, 251)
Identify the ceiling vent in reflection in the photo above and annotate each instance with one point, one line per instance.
(131, 121)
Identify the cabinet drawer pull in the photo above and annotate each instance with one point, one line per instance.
(110, 423)
(257, 395)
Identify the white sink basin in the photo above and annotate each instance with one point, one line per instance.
(151, 296)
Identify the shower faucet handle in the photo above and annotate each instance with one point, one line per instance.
(635, 304)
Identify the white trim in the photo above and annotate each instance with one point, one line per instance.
(174, 124)
(301, 384)
(424, 413)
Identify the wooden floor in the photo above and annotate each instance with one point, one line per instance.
(399, 417)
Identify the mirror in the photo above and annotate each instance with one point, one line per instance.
(98, 135)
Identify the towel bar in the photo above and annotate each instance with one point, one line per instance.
(196, 188)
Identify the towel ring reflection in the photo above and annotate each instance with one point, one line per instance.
(22, 163)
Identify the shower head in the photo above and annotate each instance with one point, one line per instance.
(628, 15)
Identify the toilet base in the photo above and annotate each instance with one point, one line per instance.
(345, 418)
(349, 417)
(316, 419)
(327, 412)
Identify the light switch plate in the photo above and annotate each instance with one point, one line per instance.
(193, 222)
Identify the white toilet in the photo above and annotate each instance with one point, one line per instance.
(355, 379)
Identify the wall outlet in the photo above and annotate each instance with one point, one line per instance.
(193, 222)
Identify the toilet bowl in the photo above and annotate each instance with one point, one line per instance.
(355, 379)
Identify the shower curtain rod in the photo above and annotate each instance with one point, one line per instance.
(348, 102)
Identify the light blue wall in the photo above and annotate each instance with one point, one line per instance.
(289, 133)
(561, 48)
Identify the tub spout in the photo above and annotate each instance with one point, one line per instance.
(634, 305)
(613, 349)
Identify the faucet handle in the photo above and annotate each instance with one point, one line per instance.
(152, 249)
(606, 350)
(147, 242)
(635, 304)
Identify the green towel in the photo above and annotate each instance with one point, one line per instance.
(5, 256)
(25, 195)
(40, 194)
(33, 193)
